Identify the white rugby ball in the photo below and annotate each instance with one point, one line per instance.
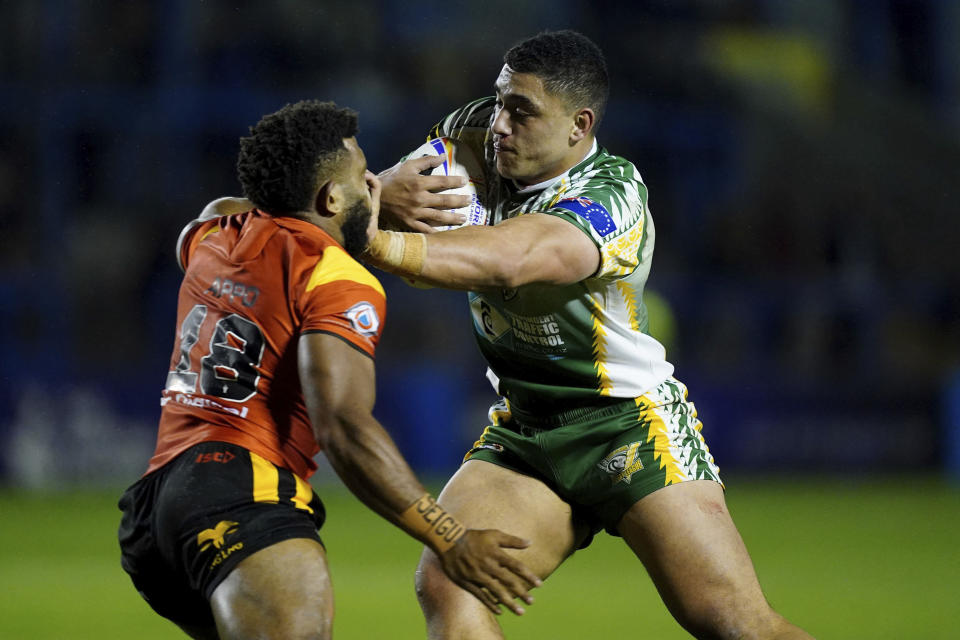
(459, 160)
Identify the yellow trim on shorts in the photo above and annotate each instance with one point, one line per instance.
(266, 480)
(304, 495)
(477, 444)
(657, 431)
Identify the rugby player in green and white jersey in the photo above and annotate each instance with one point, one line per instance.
(566, 345)
(591, 431)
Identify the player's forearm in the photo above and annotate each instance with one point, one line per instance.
(368, 462)
(467, 258)
(370, 465)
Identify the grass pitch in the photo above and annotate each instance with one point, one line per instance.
(845, 558)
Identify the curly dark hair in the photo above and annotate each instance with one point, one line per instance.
(570, 65)
(289, 153)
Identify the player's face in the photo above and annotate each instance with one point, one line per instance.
(532, 130)
(354, 174)
(358, 217)
(354, 228)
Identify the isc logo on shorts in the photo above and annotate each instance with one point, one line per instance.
(622, 463)
(217, 456)
(364, 319)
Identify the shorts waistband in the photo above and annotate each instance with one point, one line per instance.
(571, 416)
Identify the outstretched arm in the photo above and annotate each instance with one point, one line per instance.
(339, 388)
(532, 248)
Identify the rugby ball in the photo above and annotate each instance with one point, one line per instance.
(459, 160)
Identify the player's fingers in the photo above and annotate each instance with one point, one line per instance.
(484, 596)
(511, 542)
(424, 162)
(442, 183)
(418, 226)
(438, 217)
(447, 201)
(505, 597)
(516, 582)
(517, 568)
(373, 183)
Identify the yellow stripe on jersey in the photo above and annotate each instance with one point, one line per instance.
(621, 257)
(336, 265)
(304, 494)
(266, 480)
(209, 231)
(630, 298)
(605, 386)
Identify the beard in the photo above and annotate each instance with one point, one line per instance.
(354, 228)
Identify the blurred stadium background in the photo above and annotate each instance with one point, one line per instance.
(803, 160)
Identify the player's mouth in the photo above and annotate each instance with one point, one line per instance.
(499, 147)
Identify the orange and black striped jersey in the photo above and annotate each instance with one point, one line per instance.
(253, 283)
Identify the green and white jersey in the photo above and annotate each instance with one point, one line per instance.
(553, 347)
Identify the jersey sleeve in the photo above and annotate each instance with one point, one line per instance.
(609, 204)
(190, 237)
(345, 300)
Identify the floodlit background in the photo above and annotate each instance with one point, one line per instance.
(803, 161)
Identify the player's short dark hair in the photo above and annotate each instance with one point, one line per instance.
(570, 65)
(291, 152)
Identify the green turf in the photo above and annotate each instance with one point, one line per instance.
(871, 559)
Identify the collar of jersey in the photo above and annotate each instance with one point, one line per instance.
(300, 226)
(540, 186)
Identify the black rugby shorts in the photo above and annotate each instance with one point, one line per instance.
(188, 524)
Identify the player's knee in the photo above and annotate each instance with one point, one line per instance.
(290, 627)
(433, 587)
(725, 621)
(303, 619)
(322, 631)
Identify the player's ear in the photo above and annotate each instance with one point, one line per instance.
(583, 121)
(331, 199)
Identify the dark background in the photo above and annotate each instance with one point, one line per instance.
(803, 161)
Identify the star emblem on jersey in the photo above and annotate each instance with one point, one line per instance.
(593, 212)
(364, 319)
(622, 463)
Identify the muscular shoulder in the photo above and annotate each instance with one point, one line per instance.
(340, 297)
(609, 179)
(606, 197)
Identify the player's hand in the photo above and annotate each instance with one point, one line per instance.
(374, 187)
(478, 563)
(414, 202)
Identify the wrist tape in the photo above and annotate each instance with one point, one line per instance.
(402, 253)
(432, 523)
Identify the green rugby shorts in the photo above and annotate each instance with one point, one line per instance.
(602, 460)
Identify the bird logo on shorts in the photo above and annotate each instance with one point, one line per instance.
(216, 535)
(622, 463)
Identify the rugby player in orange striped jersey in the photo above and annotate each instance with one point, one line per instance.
(276, 329)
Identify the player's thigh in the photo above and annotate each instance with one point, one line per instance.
(281, 591)
(687, 541)
(484, 495)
